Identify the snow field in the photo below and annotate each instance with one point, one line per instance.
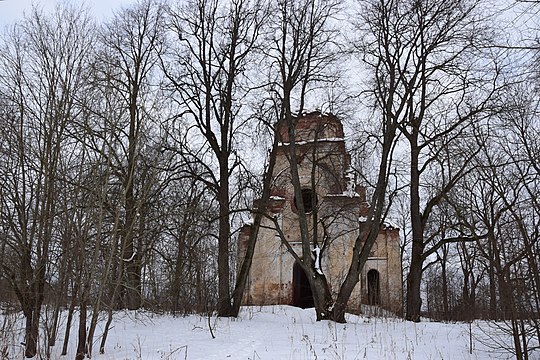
(275, 332)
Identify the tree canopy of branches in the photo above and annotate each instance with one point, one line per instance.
(126, 155)
(426, 59)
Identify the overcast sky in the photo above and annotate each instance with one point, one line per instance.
(12, 10)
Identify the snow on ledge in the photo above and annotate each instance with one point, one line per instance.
(390, 224)
(346, 193)
(335, 139)
(387, 224)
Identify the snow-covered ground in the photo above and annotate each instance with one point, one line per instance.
(281, 332)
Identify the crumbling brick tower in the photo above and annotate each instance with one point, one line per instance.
(329, 191)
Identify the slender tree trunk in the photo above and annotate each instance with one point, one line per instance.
(492, 281)
(444, 275)
(242, 275)
(37, 301)
(106, 331)
(53, 327)
(517, 339)
(176, 284)
(370, 230)
(353, 275)
(92, 327)
(132, 272)
(70, 318)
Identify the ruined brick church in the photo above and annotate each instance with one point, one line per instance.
(341, 206)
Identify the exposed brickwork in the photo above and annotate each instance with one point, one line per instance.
(341, 204)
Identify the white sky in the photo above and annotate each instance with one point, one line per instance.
(13, 10)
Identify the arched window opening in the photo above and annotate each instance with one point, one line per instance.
(302, 295)
(374, 288)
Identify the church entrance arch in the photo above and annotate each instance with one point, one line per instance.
(302, 295)
(374, 288)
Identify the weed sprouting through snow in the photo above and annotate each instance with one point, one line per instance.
(278, 332)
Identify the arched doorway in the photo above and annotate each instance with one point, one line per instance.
(374, 288)
(302, 295)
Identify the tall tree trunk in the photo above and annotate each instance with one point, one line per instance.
(492, 280)
(36, 300)
(224, 297)
(414, 278)
(370, 230)
(444, 275)
(132, 271)
(322, 297)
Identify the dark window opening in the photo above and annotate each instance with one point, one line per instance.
(309, 198)
(302, 295)
(374, 289)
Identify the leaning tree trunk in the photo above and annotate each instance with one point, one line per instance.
(242, 275)
(322, 297)
(71, 310)
(369, 232)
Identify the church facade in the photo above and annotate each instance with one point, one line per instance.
(336, 208)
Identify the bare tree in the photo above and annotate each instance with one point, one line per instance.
(132, 43)
(498, 200)
(430, 54)
(188, 247)
(207, 72)
(299, 53)
(44, 66)
(302, 55)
